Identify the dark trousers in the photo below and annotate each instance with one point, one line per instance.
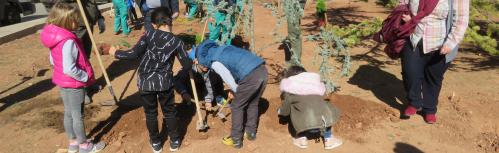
(132, 15)
(166, 102)
(422, 75)
(245, 104)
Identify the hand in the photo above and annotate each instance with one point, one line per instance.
(406, 17)
(445, 50)
(210, 20)
(230, 95)
(113, 49)
(174, 15)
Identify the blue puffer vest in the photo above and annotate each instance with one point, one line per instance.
(240, 62)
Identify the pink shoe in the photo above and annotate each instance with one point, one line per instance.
(430, 118)
(410, 110)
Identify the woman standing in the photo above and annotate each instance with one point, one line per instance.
(429, 50)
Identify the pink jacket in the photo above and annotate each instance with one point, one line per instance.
(305, 83)
(54, 37)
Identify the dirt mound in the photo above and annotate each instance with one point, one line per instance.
(54, 119)
(488, 142)
(358, 115)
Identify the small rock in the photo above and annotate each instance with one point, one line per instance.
(358, 125)
(122, 134)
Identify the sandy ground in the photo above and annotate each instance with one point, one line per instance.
(370, 99)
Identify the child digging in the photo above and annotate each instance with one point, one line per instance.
(72, 73)
(156, 49)
(302, 94)
(246, 75)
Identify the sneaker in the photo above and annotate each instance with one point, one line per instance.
(90, 147)
(231, 142)
(330, 143)
(73, 147)
(410, 110)
(174, 145)
(157, 147)
(430, 118)
(250, 136)
(301, 142)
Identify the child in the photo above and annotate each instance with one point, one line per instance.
(209, 84)
(121, 17)
(320, 12)
(173, 5)
(302, 93)
(156, 49)
(219, 17)
(72, 73)
(246, 75)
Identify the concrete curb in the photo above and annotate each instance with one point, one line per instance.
(16, 31)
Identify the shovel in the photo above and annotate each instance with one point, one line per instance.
(220, 113)
(200, 124)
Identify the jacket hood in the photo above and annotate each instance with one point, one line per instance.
(204, 58)
(51, 35)
(305, 83)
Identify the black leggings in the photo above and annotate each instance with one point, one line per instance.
(167, 103)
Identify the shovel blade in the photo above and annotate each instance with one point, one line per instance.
(201, 125)
(221, 115)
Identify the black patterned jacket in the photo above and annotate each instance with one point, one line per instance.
(156, 49)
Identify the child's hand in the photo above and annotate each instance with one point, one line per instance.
(230, 95)
(113, 49)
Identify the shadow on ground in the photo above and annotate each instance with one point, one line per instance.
(384, 85)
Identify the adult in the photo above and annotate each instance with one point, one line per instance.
(429, 50)
(152, 4)
(294, 9)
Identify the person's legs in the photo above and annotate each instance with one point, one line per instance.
(117, 15)
(259, 78)
(433, 77)
(68, 119)
(193, 7)
(133, 13)
(413, 73)
(166, 100)
(167, 103)
(73, 100)
(216, 27)
(151, 111)
(124, 18)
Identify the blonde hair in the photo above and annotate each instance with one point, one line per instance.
(63, 15)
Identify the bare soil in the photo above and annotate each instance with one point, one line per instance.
(370, 99)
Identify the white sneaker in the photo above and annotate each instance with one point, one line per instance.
(331, 143)
(301, 142)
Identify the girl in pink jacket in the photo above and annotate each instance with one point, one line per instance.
(72, 73)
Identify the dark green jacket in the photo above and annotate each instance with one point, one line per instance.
(308, 112)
